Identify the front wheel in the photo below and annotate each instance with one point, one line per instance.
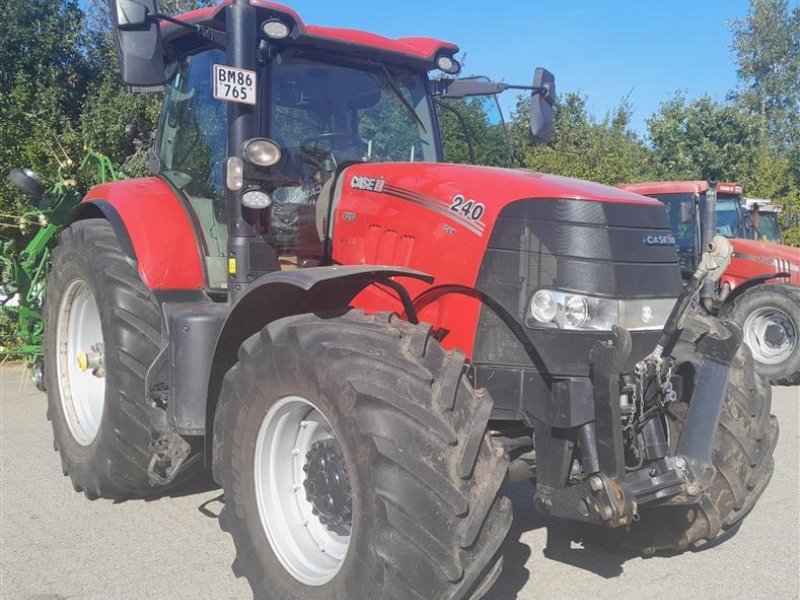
(355, 462)
(770, 319)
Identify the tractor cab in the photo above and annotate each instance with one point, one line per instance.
(306, 104)
(763, 220)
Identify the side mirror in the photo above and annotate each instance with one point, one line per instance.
(543, 101)
(138, 36)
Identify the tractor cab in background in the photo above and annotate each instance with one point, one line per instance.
(763, 220)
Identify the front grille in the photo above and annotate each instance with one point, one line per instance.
(596, 248)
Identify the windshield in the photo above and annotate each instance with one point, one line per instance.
(366, 112)
(680, 208)
(729, 217)
(768, 228)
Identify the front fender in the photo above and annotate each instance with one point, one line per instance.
(204, 337)
(154, 229)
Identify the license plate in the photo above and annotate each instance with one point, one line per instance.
(234, 85)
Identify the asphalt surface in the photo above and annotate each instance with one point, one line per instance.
(56, 545)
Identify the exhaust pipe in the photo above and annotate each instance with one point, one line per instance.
(709, 231)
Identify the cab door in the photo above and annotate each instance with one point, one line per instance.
(191, 146)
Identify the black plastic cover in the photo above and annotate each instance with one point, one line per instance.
(598, 248)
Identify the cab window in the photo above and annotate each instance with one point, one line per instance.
(191, 146)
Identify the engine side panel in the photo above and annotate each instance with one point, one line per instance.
(438, 218)
(752, 258)
(160, 229)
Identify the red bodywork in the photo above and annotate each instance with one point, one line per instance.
(417, 49)
(406, 220)
(160, 230)
(751, 258)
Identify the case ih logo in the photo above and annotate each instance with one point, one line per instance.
(729, 188)
(369, 184)
(665, 239)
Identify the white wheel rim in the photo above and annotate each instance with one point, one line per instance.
(310, 551)
(755, 335)
(83, 391)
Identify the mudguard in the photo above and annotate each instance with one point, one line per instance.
(727, 302)
(204, 336)
(154, 229)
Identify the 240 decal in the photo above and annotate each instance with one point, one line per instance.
(468, 208)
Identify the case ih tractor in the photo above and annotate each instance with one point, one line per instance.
(364, 342)
(768, 314)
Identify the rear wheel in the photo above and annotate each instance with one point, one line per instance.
(356, 464)
(103, 331)
(770, 319)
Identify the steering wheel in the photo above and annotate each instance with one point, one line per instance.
(330, 144)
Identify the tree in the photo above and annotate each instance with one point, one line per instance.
(693, 140)
(488, 138)
(43, 79)
(606, 151)
(766, 45)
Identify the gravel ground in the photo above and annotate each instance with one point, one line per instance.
(56, 545)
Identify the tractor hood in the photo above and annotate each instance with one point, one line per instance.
(473, 196)
(773, 257)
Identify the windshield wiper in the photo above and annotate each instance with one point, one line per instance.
(387, 79)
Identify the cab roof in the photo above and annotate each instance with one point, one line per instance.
(420, 52)
(679, 187)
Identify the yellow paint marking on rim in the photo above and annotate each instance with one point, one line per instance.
(83, 361)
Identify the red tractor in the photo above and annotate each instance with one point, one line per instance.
(364, 343)
(768, 314)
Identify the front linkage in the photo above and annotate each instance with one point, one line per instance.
(627, 432)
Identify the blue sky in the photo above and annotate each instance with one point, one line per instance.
(606, 49)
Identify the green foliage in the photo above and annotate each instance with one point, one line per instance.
(43, 79)
(693, 140)
(603, 150)
(488, 139)
(766, 46)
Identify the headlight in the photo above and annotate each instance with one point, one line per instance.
(261, 152)
(565, 310)
(275, 29)
(256, 199)
(448, 64)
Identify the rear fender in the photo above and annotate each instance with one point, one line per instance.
(154, 229)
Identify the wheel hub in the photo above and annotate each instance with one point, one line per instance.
(327, 485)
(775, 335)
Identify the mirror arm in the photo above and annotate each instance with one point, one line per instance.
(464, 126)
(218, 38)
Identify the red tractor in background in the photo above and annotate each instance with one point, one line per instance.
(768, 314)
(363, 342)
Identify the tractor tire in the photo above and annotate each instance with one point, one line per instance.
(742, 454)
(28, 182)
(102, 423)
(392, 490)
(770, 319)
